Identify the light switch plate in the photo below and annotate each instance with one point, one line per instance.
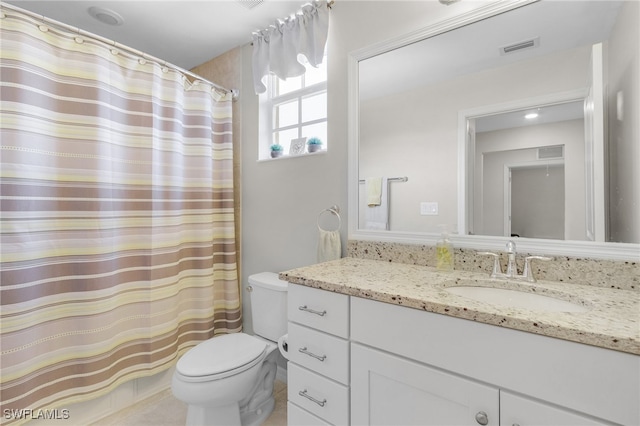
(428, 208)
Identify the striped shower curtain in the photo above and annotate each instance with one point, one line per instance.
(117, 224)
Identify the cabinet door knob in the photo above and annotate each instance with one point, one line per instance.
(482, 418)
(306, 309)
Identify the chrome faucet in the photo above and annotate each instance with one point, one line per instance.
(512, 266)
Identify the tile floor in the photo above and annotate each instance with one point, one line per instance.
(164, 410)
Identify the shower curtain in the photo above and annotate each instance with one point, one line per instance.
(117, 215)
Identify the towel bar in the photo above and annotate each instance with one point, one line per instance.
(393, 179)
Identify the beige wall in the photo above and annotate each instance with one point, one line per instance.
(226, 71)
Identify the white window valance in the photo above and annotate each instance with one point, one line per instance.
(276, 49)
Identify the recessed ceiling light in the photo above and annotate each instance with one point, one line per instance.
(106, 16)
(531, 115)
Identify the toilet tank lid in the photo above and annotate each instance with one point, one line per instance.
(268, 280)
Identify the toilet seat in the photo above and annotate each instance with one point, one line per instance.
(221, 357)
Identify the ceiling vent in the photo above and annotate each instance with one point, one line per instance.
(550, 152)
(527, 44)
(249, 4)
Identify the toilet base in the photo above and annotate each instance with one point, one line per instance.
(259, 404)
(215, 416)
(258, 416)
(252, 410)
(231, 414)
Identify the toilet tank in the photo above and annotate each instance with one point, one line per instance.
(268, 305)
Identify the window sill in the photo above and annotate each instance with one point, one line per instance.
(287, 157)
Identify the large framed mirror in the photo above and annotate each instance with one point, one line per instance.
(439, 138)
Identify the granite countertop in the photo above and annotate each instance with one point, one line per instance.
(612, 318)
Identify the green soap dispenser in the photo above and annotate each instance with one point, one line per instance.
(444, 253)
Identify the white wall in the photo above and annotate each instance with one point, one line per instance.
(624, 131)
(537, 202)
(281, 199)
(568, 133)
(415, 133)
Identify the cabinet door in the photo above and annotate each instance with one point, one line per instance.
(518, 410)
(389, 390)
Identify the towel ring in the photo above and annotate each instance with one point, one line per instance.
(335, 210)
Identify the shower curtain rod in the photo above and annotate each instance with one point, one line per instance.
(131, 50)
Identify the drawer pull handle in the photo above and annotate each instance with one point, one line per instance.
(304, 308)
(306, 352)
(310, 398)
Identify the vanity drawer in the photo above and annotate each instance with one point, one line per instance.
(320, 352)
(296, 416)
(319, 309)
(318, 395)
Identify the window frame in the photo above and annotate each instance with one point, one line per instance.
(269, 102)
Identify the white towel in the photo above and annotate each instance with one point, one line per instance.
(329, 246)
(377, 217)
(373, 186)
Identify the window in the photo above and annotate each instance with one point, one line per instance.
(294, 108)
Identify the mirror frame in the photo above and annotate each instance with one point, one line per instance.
(589, 249)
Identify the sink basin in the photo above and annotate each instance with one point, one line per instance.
(516, 299)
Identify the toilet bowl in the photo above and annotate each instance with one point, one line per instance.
(228, 380)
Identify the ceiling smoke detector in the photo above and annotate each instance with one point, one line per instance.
(106, 16)
(249, 4)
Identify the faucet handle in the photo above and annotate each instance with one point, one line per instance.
(528, 273)
(497, 269)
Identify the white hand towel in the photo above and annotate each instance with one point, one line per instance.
(373, 186)
(329, 246)
(377, 217)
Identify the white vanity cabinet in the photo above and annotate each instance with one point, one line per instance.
(359, 361)
(423, 368)
(519, 410)
(318, 348)
(391, 390)
(388, 390)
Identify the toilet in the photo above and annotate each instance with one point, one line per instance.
(228, 379)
